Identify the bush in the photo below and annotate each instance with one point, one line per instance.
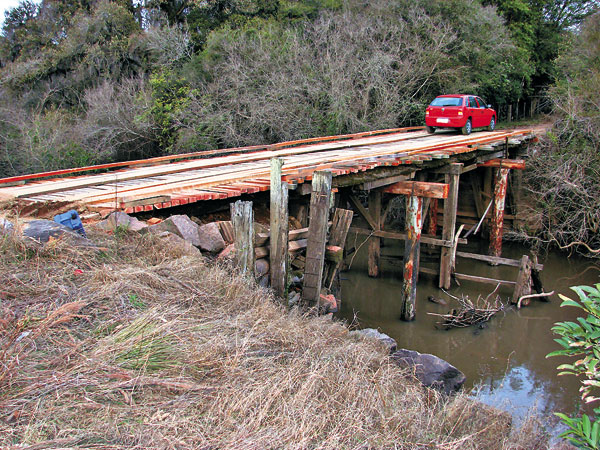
(582, 340)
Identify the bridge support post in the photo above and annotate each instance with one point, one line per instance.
(450, 207)
(279, 227)
(342, 218)
(317, 237)
(242, 218)
(375, 242)
(414, 223)
(498, 212)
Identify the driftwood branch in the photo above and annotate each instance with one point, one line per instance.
(524, 297)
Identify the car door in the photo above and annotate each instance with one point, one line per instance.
(474, 112)
(486, 113)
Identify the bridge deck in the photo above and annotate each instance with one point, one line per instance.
(176, 180)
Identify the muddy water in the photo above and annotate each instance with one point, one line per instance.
(505, 361)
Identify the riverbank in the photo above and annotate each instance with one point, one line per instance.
(141, 343)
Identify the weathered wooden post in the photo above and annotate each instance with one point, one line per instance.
(433, 212)
(317, 236)
(374, 241)
(498, 212)
(279, 229)
(523, 284)
(242, 218)
(342, 218)
(450, 207)
(414, 223)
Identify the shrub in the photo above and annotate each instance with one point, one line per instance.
(582, 340)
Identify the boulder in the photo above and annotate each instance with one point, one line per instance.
(180, 225)
(430, 370)
(228, 253)
(371, 333)
(120, 219)
(42, 230)
(261, 267)
(210, 238)
(176, 242)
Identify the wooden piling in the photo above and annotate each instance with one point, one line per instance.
(414, 223)
(498, 212)
(279, 230)
(450, 209)
(374, 241)
(242, 218)
(342, 219)
(523, 284)
(317, 236)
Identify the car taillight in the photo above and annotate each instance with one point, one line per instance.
(426, 112)
(460, 113)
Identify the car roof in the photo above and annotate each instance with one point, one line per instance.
(457, 95)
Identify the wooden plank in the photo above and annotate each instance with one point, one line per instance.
(255, 157)
(419, 189)
(484, 280)
(242, 218)
(317, 237)
(279, 221)
(495, 260)
(449, 224)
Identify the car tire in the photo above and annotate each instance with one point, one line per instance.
(492, 124)
(430, 130)
(466, 130)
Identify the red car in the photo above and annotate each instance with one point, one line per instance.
(463, 112)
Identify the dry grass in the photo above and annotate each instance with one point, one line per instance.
(145, 345)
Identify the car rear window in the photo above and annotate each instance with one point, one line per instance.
(447, 101)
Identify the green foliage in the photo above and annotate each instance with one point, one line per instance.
(581, 340)
(170, 95)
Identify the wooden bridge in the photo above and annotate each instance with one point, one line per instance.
(407, 161)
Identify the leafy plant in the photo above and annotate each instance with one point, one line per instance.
(581, 339)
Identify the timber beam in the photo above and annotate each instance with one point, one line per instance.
(419, 189)
(518, 164)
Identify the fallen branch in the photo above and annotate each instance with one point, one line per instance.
(524, 297)
(468, 314)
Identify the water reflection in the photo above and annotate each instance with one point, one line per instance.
(505, 361)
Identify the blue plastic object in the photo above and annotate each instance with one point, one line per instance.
(71, 219)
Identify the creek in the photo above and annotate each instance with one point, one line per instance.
(504, 361)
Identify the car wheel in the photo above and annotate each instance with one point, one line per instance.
(466, 130)
(430, 130)
(492, 124)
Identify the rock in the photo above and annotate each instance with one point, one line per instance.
(176, 242)
(293, 298)
(42, 230)
(328, 303)
(180, 225)
(210, 238)
(372, 333)
(6, 226)
(263, 281)
(439, 301)
(228, 253)
(430, 370)
(120, 219)
(261, 267)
